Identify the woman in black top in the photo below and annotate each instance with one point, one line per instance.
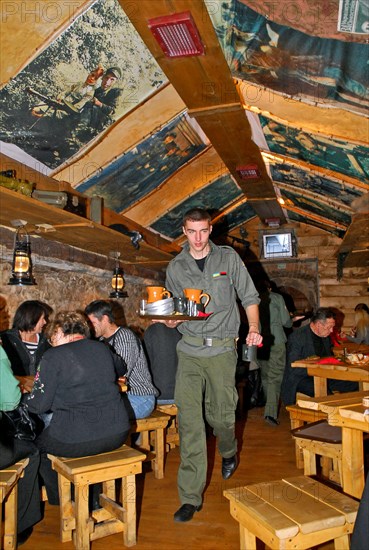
(77, 382)
(25, 342)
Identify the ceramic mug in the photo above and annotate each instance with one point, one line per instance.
(155, 293)
(195, 295)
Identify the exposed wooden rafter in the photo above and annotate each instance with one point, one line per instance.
(206, 86)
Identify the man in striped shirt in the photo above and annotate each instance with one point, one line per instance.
(141, 392)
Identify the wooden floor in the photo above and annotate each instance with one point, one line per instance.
(266, 453)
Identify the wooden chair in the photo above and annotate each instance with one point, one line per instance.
(75, 519)
(300, 416)
(296, 513)
(172, 433)
(9, 498)
(152, 441)
(321, 439)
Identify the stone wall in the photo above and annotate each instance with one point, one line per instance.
(68, 278)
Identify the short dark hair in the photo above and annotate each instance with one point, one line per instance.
(99, 308)
(29, 313)
(322, 314)
(196, 215)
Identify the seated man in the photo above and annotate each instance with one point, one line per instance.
(308, 340)
(161, 348)
(141, 392)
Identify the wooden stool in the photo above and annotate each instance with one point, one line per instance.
(153, 446)
(172, 433)
(319, 438)
(123, 463)
(9, 496)
(297, 513)
(299, 417)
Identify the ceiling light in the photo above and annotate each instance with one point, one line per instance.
(22, 261)
(177, 35)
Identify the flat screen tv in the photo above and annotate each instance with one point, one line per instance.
(277, 245)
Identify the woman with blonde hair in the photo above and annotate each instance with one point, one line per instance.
(360, 332)
(76, 382)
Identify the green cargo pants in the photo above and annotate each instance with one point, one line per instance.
(204, 385)
(272, 376)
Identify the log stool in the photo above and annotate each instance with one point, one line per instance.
(152, 443)
(297, 513)
(300, 416)
(75, 519)
(9, 497)
(172, 434)
(321, 439)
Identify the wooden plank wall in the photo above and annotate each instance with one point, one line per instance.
(314, 243)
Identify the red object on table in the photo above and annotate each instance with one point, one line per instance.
(329, 361)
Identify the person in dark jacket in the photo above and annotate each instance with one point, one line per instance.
(12, 450)
(25, 342)
(77, 382)
(161, 348)
(309, 340)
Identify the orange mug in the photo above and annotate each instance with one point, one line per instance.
(156, 293)
(195, 295)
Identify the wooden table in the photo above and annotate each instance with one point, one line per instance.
(346, 410)
(351, 347)
(341, 371)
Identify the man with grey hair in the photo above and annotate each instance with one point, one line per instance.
(311, 339)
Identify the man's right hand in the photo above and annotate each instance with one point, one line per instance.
(170, 323)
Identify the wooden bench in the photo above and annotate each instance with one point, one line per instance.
(172, 433)
(9, 497)
(152, 441)
(297, 513)
(298, 418)
(321, 439)
(75, 519)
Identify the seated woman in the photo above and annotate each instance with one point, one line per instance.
(76, 381)
(12, 450)
(25, 342)
(360, 332)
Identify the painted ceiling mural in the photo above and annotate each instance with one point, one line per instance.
(305, 181)
(327, 152)
(141, 170)
(288, 61)
(50, 111)
(215, 197)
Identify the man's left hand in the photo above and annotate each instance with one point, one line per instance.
(254, 339)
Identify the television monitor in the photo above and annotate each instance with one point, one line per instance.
(277, 245)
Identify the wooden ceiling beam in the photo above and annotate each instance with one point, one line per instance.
(29, 27)
(336, 123)
(206, 86)
(189, 179)
(122, 136)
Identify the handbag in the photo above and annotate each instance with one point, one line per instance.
(19, 424)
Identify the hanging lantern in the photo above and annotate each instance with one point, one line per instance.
(22, 261)
(117, 281)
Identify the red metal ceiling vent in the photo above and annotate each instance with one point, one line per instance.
(177, 35)
(249, 171)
